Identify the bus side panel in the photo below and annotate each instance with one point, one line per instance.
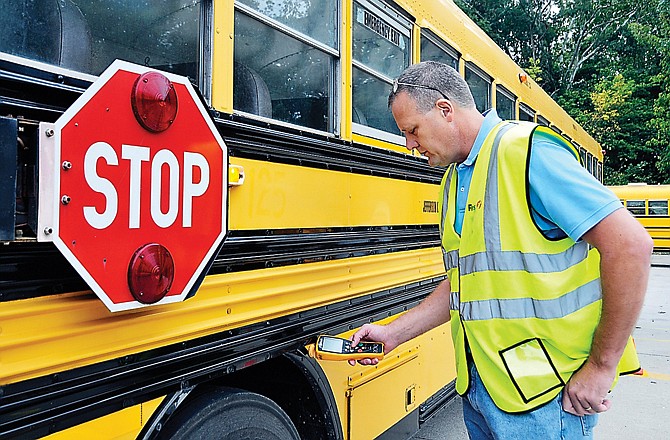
(371, 399)
(649, 204)
(276, 196)
(124, 424)
(659, 229)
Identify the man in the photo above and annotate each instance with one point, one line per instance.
(546, 272)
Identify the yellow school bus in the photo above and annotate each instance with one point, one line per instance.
(334, 223)
(649, 205)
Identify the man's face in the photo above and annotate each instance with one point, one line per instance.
(431, 134)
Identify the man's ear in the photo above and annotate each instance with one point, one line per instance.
(445, 107)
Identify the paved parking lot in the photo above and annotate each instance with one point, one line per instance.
(641, 404)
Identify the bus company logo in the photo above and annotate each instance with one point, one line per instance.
(474, 206)
(429, 206)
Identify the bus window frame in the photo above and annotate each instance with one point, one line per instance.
(204, 57)
(502, 90)
(206, 50)
(666, 207)
(395, 18)
(643, 207)
(582, 155)
(41, 66)
(589, 162)
(371, 132)
(334, 87)
(441, 44)
(470, 66)
(302, 37)
(600, 171)
(525, 108)
(542, 120)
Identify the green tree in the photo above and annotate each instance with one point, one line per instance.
(656, 33)
(586, 28)
(621, 109)
(606, 62)
(524, 29)
(621, 87)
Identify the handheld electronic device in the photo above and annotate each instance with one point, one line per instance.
(331, 348)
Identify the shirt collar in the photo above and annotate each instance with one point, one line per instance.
(491, 119)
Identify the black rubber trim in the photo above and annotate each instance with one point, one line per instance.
(258, 249)
(40, 406)
(31, 269)
(36, 94)
(437, 401)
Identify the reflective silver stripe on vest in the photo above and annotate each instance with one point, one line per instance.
(519, 308)
(516, 260)
(450, 259)
(455, 301)
(445, 199)
(491, 214)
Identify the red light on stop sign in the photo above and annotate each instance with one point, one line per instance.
(154, 102)
(150, 273)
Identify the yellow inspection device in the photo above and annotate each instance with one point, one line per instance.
(330, 348)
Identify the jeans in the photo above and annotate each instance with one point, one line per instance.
(485, 421)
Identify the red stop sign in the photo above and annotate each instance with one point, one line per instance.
(140, 187)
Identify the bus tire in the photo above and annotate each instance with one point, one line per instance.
(230, 414)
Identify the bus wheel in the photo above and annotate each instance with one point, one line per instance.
(230, 414)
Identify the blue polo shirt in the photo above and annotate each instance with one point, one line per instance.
(566, 200)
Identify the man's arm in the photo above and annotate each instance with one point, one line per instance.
(625, 251)
(433, 311)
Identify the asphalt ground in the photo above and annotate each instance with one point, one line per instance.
(640, 404)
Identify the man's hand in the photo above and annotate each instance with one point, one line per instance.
(433, 311)
(373, 333)
(586, 391)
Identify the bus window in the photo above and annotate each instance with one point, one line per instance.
(526, 113)
(636, 207)
(543, 121)
(291, 68)
(381, 50)
(594, 166)
(658, 207)
(600, 171)
(505, 101)
(582, 155)
(556, 129)
(432, 49)
(480, 86)
(88, 35)
(315, 18)
(589, 162)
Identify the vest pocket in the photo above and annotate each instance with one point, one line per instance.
(530, 368)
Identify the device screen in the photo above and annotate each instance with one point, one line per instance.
(333, 345)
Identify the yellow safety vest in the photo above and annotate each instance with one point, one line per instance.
(526, 306)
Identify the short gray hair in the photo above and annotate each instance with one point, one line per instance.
(435, 75)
